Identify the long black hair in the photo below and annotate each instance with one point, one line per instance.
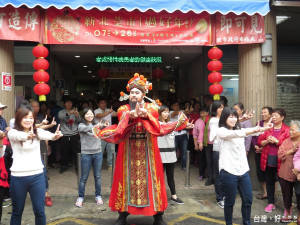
(214, 107)
(85, 110)
(227, 111)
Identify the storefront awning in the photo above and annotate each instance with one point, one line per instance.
(197, 6)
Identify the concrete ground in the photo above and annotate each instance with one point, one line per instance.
(199, 208)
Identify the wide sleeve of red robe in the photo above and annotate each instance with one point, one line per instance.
(138, 184)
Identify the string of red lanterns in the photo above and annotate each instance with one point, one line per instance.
(41, 76)
(215, 77)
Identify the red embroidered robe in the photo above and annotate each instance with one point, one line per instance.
(138, 184)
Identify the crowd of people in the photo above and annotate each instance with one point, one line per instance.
(219, 138)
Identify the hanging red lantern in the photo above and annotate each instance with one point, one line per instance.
(40, 64)
(40, 51)
(214, 65)
(158, 73)
(103, 73)
(215, 53)
(215, 89)
(41, 89)
(215, 77)
(41, 76)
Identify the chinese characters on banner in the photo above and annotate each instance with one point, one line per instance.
(242, 29)
(130, 28)
(20, 24)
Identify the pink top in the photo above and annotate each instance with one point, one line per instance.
(198, 130)
(296, 159)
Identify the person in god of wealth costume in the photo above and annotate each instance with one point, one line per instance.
(138, 185)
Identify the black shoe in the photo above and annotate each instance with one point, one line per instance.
(122, 218)
(158, 219)
(177, 200)
(208, 183)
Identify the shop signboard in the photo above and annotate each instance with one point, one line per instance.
(20, 24)
(239, 29)
(128, 28)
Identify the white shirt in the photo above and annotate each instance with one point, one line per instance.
(27, 157)
(174, 119)
(166, 145)
(214, 126)
(104, 119)
(232, 154)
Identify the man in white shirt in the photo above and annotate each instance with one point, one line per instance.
(105, 115)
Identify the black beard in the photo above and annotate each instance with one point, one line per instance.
(132, 105)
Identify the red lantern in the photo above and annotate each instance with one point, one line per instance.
(103, 73)
(40, 64)
(40, 51)
(215, 89)
(215, 77)
(41, 89)
(214, 65)
(41, 76)
(158, 73)
(215, 53)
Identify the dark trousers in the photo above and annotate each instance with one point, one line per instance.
(271, 174)
(218, 182)
(287, 192)
(181, 142)
(231, 184)
(169, 168)
(260, 173)
(8, 160)
(35, 186)
(209, 161)
(69, 146)
(2, 190)
(201, 162)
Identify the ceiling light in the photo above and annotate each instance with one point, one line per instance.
(234, 79)
(288, 75)
(168, 67)
(77, 56)
(89, 71)
(177, 57)
(93, 76)
(81, 93)
(85, 66)
(230, 75)
(280, 19)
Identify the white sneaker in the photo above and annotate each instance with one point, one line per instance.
(99, 200)
(79, 202)
(221, 204)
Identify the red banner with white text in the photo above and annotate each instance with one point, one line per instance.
(109, 27)
(129, 28)
(239, 29)
(20, 24)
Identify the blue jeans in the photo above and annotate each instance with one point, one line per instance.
(230, 185)
(35, 185)
(87, 161)
(181, 142)
(217, 178)
(110, 149)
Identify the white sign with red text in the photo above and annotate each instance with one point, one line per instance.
(6, 81)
